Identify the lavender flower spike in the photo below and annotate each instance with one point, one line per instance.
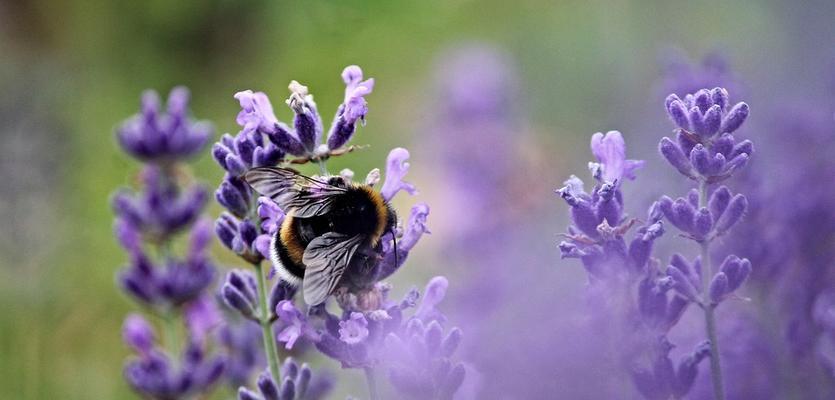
(156, 137)
(610, 150)
(352, 109)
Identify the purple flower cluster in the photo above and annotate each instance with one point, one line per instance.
(170, 282)
(172, 287)
(299, 384)
(154, 374)
(705, 148)
(304, 138)
(618, 269)
(163, 138)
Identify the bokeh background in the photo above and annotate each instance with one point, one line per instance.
(70, 71)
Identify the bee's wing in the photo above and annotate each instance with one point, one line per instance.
(305, 196)
(325, 260)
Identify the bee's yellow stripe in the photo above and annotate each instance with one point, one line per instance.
(382, 212)
(290, 240)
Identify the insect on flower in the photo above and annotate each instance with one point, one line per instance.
(331, 234)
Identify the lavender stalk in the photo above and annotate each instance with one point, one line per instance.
(707, 152)
(166, 285)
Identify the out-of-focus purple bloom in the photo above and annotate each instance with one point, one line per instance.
(610, 150)
(395, 256)
(681, 75)
(161, 209)
(138, 334)
(160, 137)
(171, 282)
(618, 270)
(202, 317)
(299, 384)
(433, 294)
(154, 375)
(396, 169)
(354, 329)
(367, 338)
(243, 350)
(420, 361)
(173, 286)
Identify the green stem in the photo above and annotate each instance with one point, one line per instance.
(266, 326)
(372, 383)
(709, 307)
(323, 169)
(172, 337)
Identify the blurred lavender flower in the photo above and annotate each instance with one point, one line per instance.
(163, 138)
(299, 384)
(414, 351)
(171, 282)
(154, 375)
(244, 353)
(618, 270)
(680, 75)
(174, 287)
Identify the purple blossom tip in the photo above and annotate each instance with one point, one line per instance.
(163, 137)
(682, 284)
(256, 112)
(396, 169)
(610, 151)
(718, 287)
(732, 214)
(138, 333)
(675, 156)
(271, 215)
(433, 294)
(416, 226)
(296, 324)
(355, 106)
(354, 330)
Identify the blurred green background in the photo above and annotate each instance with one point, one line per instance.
(71, 70)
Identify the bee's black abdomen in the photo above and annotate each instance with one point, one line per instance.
(288, 269)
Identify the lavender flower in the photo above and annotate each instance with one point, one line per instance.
(414, 351)
(242, 342)
(705, 148)
(303, 139)
(171, 282)
(299, 384)
(153, 374)
(162, 138)
(620, 270)
(708, 153)
(610, 151)
(162, 209)
(172, 286)
(295, 324)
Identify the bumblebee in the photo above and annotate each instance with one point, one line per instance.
(330, 236)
